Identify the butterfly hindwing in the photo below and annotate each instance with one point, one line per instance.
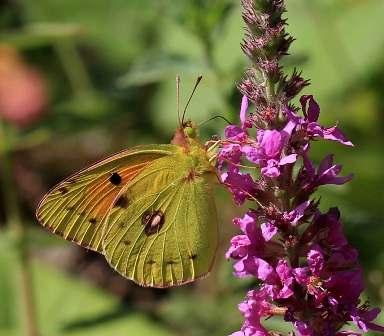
(77, 207)
(166, 234)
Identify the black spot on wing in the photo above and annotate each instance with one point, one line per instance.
(115, 179)
(63, 190)
(122, 202)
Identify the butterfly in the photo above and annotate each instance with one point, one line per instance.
(149, 210)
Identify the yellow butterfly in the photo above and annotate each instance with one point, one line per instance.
(149, 210)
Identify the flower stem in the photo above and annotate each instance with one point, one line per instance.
(15, 225)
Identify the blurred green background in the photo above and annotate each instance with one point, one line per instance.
(83, 79)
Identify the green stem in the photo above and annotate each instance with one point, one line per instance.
(14, 223)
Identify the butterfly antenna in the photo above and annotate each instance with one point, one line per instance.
(198, 80)
(213, 118)
(178, 99)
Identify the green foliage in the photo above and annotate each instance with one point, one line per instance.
(67, 306)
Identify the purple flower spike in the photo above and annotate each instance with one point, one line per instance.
(304, 268)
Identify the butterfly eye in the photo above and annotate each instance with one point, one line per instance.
(190, 132)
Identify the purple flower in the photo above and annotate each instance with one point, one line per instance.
(268, 230)
(241, 186)
(345, 286)
(343, 257)
(281, 286)
(239, 247)
(308, 128)
(327, 173)
(329, 229)
(316, 260)
(251, 250)
(231, 150)
(255, 307)
(235, 133)
(248, 225)
(230, 155)
(268, 153)
(245, 122)
(311, 282)
(247, 249)
(303, 329)
(252, 238)
(255, 266)
(363, 318)
(294, 216)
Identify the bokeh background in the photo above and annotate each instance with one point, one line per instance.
(83, 79)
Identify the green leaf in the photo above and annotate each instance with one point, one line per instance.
(66, 305)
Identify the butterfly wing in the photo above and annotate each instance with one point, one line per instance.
(166, 235)
(76, 208)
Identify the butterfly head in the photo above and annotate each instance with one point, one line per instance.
(190, 129)
(186, 135)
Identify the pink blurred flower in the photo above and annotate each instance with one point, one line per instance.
(23, 93)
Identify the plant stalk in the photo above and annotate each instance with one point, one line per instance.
(15, 225)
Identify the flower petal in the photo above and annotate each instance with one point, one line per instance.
(335, 134)
(268, 230)
(288, 159)
(243, 110)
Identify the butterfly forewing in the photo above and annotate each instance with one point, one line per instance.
(77, 207)
(166, 235)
